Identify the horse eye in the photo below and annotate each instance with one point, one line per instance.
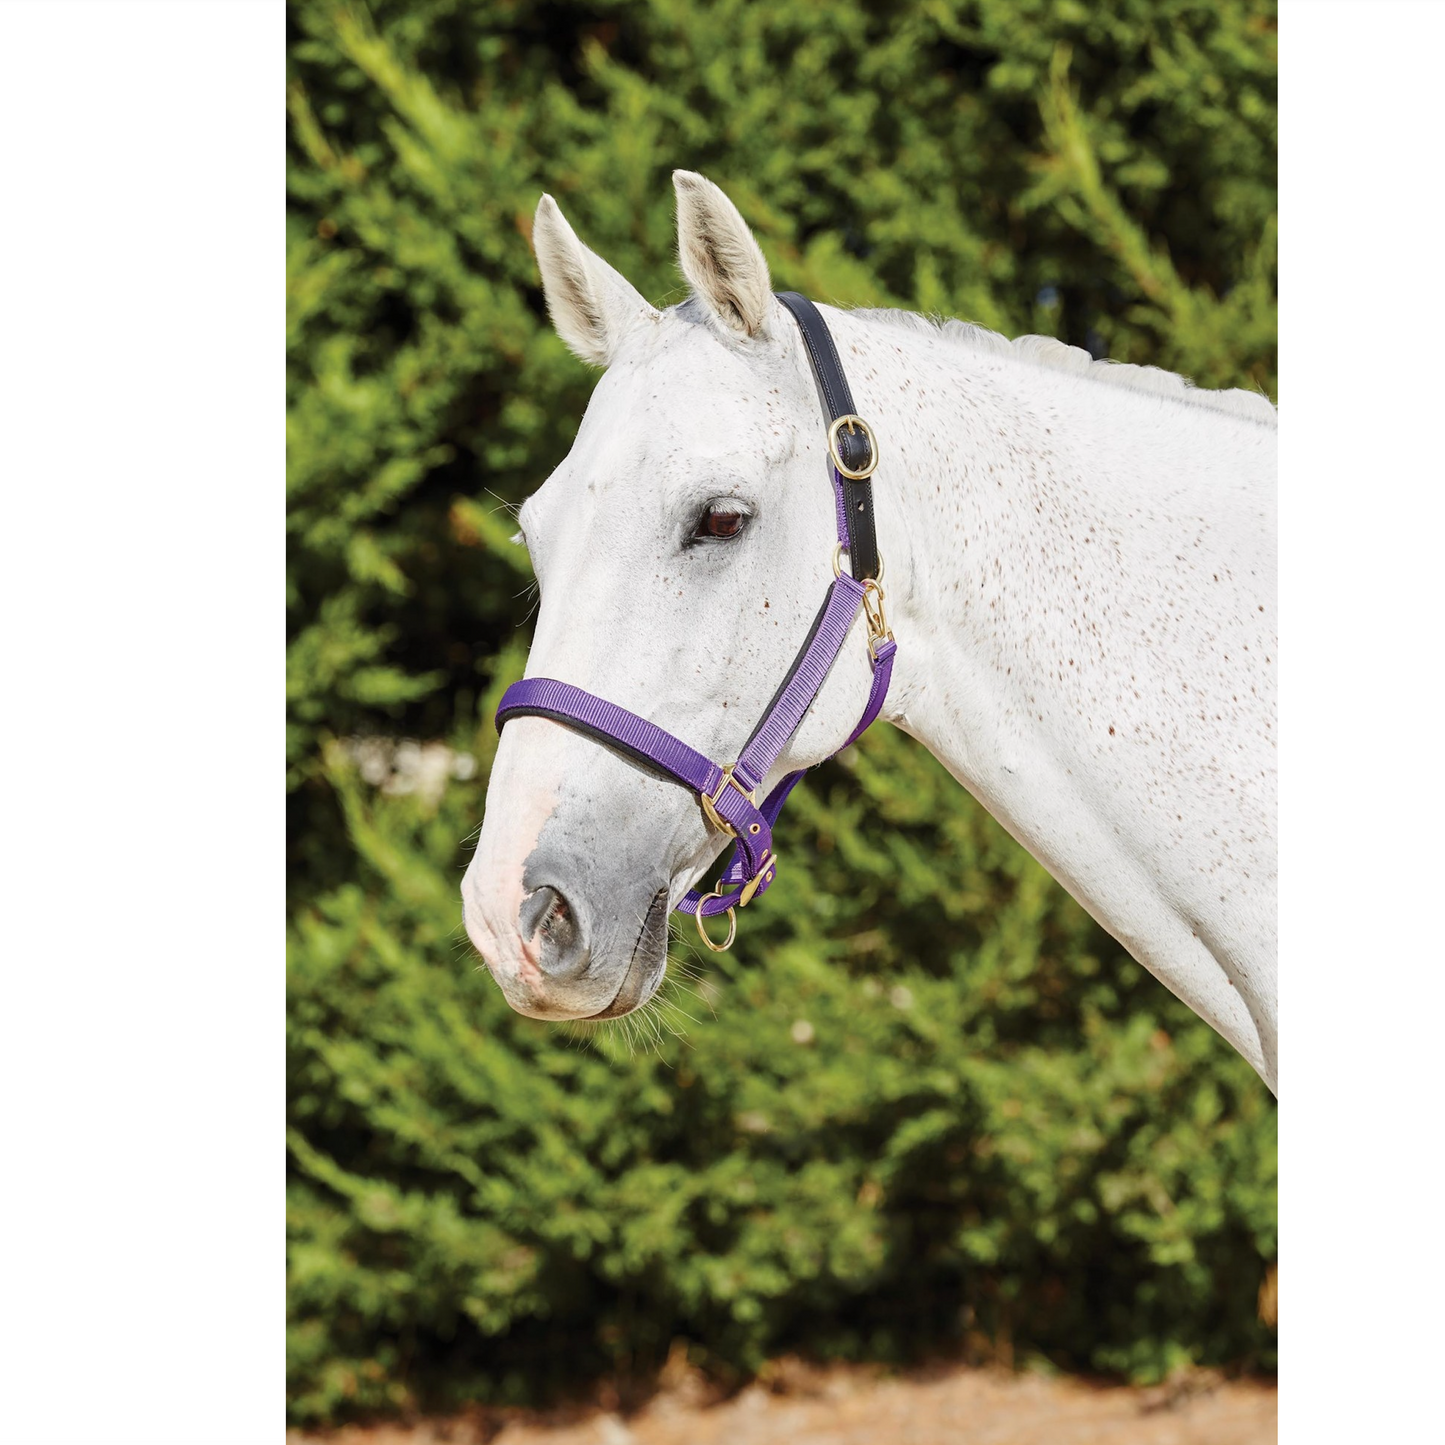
(719, 523)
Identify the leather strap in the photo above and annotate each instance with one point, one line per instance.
(856, 497)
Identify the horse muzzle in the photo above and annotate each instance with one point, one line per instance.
(573, 952)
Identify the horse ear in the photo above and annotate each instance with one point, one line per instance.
(719, 256)
(591, 306)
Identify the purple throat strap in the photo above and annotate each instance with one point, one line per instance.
(728, 794)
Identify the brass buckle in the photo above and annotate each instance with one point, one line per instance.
(853, 422)
(745, 895)
(727, 943)
(766, 870)
(710, 802)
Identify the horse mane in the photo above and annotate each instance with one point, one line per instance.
(1059, 356)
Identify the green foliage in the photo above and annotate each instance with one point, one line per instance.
(926, 1101)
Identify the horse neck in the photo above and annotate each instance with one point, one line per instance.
(1081, 580)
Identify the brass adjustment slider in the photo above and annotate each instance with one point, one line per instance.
(710, 802)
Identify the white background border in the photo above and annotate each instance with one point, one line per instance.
(141, 818)
(1362, 396)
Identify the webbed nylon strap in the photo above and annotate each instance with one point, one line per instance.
(751, 863)
(659, 750)
(736, 872)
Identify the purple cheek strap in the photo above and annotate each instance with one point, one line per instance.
(728, 795)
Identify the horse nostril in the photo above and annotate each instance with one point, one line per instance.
(549, 920)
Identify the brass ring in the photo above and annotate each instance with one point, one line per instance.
(838, 566)
(727, 943)
(853, 422)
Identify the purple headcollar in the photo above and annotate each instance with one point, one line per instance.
(728, 794)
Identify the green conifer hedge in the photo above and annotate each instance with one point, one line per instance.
(926, 1103)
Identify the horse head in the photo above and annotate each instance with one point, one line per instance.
(681, 549)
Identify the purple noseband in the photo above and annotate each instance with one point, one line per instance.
(728, 795)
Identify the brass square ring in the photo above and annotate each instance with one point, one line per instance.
(710, 802)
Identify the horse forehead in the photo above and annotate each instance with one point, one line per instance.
(680, 374)
(676, 403)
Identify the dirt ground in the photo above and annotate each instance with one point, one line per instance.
(853, 1406)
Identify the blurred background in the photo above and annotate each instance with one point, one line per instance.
(925, 1108)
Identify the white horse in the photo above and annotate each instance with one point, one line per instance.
(1080, 568)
